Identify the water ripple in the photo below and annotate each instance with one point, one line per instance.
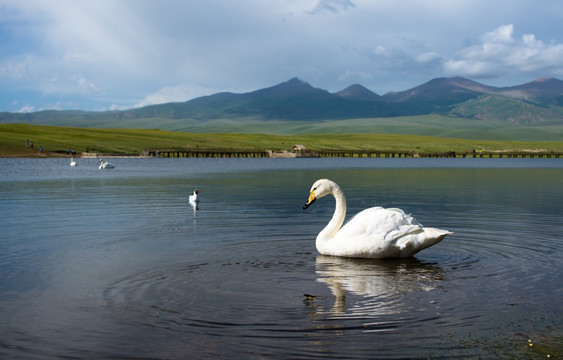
(118, 265)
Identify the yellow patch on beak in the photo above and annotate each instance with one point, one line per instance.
(312, 197)
(311, 200)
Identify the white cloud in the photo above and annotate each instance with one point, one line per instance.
(164, 95)
(178, 93)
(380, 50)
(14, 71)
(84, 84)
(501, 53)
(333, 6)
(502, 34)
(26, 109)
(427, 57)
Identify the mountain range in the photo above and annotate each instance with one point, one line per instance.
(539, 101)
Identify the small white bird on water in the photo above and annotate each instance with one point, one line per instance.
(73, 163)
(194, 197)
(105, 165)
(373, 233)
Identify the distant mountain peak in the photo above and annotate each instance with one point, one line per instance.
(357, 92)
(542, 90)
(454, 81)
(541, 84)
(297, 81)
(293, 86)
(448, 89)
(549, 84)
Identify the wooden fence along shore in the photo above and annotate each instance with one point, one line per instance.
(249, 153)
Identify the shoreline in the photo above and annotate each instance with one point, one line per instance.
(498, 154)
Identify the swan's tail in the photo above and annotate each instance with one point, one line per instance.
(435, 235)
(419, 240)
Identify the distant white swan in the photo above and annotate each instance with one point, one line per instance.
(373, 233)
(194, 197)
(105, 165)
(73, 163)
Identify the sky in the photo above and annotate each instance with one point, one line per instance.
(100, 55)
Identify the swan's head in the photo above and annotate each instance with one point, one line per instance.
(319, 189)
(196, 191)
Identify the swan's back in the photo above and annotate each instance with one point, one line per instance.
(106, 165)
(380, 233)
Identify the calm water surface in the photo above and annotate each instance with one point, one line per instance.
(118, 264)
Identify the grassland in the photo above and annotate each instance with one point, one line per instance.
(429, 125)
(55, 140)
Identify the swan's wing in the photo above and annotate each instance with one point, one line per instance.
(381, 223)
(373, 230)
(379, 232)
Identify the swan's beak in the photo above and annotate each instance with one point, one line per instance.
(311, 200)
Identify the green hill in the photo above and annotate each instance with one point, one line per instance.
(515, 111)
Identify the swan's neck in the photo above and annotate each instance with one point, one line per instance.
(337, 218)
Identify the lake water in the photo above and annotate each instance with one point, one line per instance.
(117, 263)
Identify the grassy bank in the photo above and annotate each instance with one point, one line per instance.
(55, 141)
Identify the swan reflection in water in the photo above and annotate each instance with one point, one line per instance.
(381, 284)
(194, 205)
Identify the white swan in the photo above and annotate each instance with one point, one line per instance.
(73, 163)
(373, 233)
(194, 197)
(105, 165)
